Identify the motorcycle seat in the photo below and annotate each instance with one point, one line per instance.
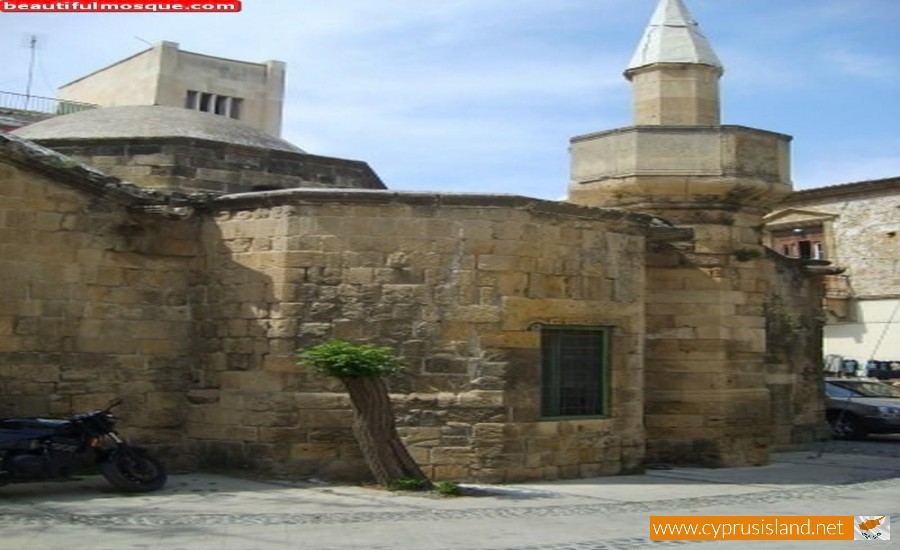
(8, 438)
(33, 423)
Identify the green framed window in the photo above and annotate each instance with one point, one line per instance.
(574, 371)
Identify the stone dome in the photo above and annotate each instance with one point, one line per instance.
(151, 121)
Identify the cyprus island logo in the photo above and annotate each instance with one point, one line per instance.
(871, 528)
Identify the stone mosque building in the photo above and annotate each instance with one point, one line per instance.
(177, 259)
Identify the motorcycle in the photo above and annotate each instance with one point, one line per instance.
(41, 449)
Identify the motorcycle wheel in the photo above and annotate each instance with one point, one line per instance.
(133, 470)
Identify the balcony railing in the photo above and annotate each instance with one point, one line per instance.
(38, 104)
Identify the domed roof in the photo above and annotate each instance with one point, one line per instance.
(151, 121)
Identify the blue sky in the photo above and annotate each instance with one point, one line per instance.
(483, 95)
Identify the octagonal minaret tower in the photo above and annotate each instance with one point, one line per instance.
(678, 154)
(675, 72)
(706, 398)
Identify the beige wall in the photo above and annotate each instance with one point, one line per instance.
(195, 323)
(873, 333)
(198, 334)
(654, 167)
(163, 75)
(259, 85)
(132, 81)
(94, 305)
(458, 290)
(676, 94)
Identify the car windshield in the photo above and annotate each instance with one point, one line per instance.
(861, 389)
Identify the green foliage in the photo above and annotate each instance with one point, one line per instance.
(747, 254)
(448, 488)
(408, 484)
(347, 360)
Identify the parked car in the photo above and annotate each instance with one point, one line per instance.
(856, 408)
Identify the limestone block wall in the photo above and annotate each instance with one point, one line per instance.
(459, 286)
(94, 304)
(655, 168)
(707, 401)
(193, 164)
(794, 377)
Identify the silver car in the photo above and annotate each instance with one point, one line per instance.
(856, 408)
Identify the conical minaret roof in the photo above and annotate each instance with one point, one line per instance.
(673, 36)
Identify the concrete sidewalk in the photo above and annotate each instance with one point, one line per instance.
(203, 511)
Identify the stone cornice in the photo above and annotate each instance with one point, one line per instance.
(860, 189)
(641, 223)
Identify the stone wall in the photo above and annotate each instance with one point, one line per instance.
(195, 164)
(707, 402)
(794, 377)
(865, 232)
(861, 223)
(458, 286)
(195, 321)
(94, 305)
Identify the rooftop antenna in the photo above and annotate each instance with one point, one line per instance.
(31, 42)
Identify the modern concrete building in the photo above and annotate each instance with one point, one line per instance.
(165, 75)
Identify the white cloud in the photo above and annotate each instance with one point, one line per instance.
(866, 65)
(484, 95)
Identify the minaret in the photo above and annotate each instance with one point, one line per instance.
(706, 400)
(677, 152)
(675, 72)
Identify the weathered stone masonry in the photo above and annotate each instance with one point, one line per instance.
(191, 311)
(459, 290)
(94, 301)
(188, 293)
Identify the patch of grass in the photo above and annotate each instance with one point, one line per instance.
(747, 254)
(408, 484)
(448, 488)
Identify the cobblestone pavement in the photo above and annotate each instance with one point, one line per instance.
(47, 517)
(878, 445)
(205, 512)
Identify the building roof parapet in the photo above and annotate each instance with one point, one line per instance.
(858, 189)
(287, 197)
(28, 103)
(693, 130)
(29, 155)
(166, 44)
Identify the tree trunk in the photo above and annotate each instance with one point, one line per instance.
(376, 432)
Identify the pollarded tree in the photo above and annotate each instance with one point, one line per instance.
(361, 368)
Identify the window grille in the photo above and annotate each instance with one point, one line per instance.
(574, 371)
